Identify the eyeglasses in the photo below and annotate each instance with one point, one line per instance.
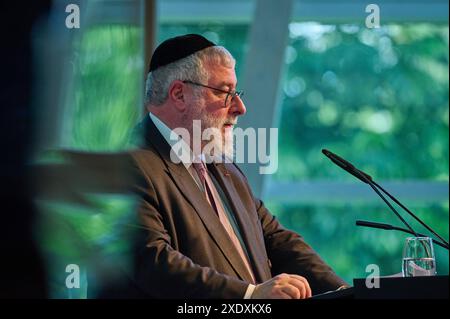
(230, 94)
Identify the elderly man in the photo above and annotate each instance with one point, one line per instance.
(204, 233)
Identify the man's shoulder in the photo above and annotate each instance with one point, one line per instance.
(147, 159)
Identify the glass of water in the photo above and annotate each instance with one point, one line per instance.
(418, 257)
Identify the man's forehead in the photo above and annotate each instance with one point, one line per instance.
(223, 75)
(223, 83)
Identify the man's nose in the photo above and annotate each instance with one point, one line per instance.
(237, 106)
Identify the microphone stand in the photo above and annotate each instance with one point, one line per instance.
(368, 180)
(371, 184)
(412, 214)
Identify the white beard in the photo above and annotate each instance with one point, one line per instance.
(223, 145)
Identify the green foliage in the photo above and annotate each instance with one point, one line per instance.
(105, 104)
(92, 235)
(379, 98)
(102, 108)
(374, 96)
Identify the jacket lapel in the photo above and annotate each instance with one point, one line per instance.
(250, 230)
(187, 186)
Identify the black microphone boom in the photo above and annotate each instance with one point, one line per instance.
(375, 225)
(339, 161)
(390, 227)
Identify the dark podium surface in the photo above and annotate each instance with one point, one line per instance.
(433, 287)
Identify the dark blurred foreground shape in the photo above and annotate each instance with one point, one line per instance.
(21, 266)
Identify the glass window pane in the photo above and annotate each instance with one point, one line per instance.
(377, 97)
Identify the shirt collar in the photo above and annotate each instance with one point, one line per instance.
(187, 156)
(172, 138)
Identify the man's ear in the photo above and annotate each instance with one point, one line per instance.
(176, 95)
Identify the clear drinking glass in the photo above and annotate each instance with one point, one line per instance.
(418, 257)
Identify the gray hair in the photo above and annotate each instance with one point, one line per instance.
(191, 68)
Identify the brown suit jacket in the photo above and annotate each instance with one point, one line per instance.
(186, 253)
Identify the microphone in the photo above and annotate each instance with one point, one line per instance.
(339, 161)
(375, 225)
(390, 227)
(368, 180)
